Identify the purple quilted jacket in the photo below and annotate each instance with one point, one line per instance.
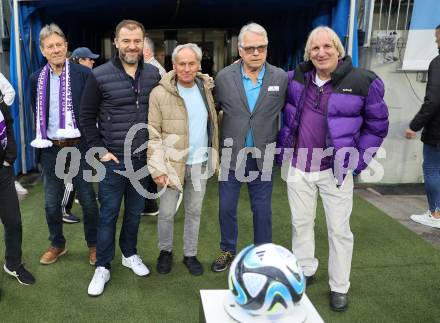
(357, 116)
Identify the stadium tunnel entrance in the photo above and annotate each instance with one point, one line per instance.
(212, 24)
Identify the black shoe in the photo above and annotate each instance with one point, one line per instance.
(151, 207)
(222, 262)
(194, 266)
(23, 276)
(338, 301)
(164, 262)
(70, 218)
(309, 280)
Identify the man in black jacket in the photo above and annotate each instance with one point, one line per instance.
(10, 210)
(56, 91)
(117, 95)
(428, 118)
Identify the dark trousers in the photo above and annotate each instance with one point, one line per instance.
(11, 217)
(151, 187)
(112, 189)
(53, 195)
(431, 173)
(260, 195)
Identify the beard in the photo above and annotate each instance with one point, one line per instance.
(128, 60)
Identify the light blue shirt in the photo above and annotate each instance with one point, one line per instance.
(197, 124)
(54, 106)
(252, 92)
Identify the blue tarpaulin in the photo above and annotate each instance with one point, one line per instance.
(29, 25)
(287, 23)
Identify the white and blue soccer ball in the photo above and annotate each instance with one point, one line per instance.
(266, 280)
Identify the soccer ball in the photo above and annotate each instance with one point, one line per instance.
(266, 280)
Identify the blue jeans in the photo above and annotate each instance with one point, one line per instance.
(260, 195)
(53, 195)
(431, 172)
(111, 191)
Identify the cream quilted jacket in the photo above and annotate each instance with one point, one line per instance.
(168, 130)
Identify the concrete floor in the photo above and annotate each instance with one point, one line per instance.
(400, 207)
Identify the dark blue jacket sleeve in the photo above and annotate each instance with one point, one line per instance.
(89, 111)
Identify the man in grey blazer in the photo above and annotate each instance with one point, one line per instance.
(251, 94)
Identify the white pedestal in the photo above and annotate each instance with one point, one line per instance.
(214, 312)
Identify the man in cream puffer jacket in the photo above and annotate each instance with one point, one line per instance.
(182, 150)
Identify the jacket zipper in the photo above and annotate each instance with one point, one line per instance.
(329, 135)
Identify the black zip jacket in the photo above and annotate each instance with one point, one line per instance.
(117, 102)
(428, 117)
(10, 153)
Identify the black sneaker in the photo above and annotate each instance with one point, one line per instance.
(70, 218)
(164, 262)
(222, 262)
(194, 266)
(151, 207)
(23, 276)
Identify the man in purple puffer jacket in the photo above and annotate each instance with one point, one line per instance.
(335, 120)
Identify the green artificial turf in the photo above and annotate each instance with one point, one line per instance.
(395, 274)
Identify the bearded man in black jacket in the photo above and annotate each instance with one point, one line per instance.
(116, 94)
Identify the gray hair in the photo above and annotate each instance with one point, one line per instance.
(196, 49)
(333, 36)
(252, 28)
(149, 44)
(49, 30)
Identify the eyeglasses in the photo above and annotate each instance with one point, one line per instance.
(252, 49)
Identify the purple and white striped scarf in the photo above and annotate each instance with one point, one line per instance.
(68, 128)
(3, 133)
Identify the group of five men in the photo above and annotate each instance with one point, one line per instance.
(97, 110)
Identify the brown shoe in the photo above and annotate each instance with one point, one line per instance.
(51, 255)
(92, 255)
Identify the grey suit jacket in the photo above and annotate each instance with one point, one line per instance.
(237, 118)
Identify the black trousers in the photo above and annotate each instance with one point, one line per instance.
(11, 217)
(150, 186)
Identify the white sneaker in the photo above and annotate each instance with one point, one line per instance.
(426, 219)
(100, 278)
(20, 189)
(135, 263)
